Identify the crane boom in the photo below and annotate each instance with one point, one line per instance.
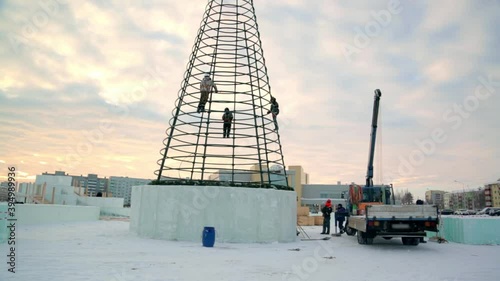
(373, 136)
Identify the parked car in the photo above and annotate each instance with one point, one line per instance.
(446, 212)
(462, 212)
(487, 210)
(471, 212)
(495, 213)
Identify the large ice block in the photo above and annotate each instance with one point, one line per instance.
(240, 215)
(103, 202)
(27, 214)
(475, 230)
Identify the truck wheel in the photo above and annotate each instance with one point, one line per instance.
(411, 241)
(406, 240)
(362, 238)
(415, 241)
(350, 231)
(387, 238)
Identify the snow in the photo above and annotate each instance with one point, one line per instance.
(240, 215)
(106, 251)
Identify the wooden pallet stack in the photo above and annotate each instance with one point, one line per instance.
(303, 218)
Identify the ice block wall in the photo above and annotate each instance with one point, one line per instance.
(475, 230)
(240, 215)
(103, 202)
(27, 214)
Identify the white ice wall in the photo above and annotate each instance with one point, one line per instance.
(108, 202)
(63, 194)
(238, 214)
(475, 230)
(115, 212)
(42, 213)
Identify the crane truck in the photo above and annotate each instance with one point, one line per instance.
(372, 210)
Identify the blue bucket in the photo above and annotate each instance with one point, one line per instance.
(208, 236)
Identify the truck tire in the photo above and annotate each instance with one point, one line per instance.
(364, 238)
(387, 238)
(350, 231)
(361, 238)
(413, 241)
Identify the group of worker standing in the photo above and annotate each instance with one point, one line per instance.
(207, 84)
(340, 215)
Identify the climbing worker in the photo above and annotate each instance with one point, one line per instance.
(275, 110)
(206, 86)
(227, 117)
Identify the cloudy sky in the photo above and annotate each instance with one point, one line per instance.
(67, 67)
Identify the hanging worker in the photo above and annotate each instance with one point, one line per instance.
(275, 110)
(340, 215)
(327, 211)
(227, 117)
(206, 86)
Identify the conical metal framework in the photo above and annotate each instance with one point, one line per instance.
(228, 47)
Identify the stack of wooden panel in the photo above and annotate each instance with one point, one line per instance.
(303, 218)
(318, 220)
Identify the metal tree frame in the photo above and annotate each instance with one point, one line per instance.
(229, 48)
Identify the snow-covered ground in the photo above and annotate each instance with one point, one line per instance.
(104, 250)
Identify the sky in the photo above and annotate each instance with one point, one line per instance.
(67, 66)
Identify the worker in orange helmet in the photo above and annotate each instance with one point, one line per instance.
(327, 211)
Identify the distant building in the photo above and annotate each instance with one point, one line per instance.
(121, 187)
(4, 191)
(226, 175)
(492, 194)
(467, 199)
(276, 176)
(435, 197)
(91, 184)
(446, 200)
(297, 178)
(314, 195)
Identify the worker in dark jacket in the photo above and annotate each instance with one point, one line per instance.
(340, 215)
(326, 210)
(227, 117)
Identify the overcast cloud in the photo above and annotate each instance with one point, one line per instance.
(69, 69)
